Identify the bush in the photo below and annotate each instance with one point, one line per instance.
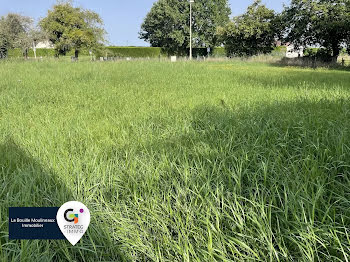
(310, 52)
(319, 54)
(219, 52)
(343, 52)
(279, 51)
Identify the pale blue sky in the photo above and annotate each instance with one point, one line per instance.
(122, 18)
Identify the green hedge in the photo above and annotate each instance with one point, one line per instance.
(16, 53)
(44, 52)
(219, 52)
(279, 51)
(157, 52)
(115, 51)
(134, 51)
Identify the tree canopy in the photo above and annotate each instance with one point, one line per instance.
(15, 32)
(322, 23)
(73, 28)
(307, 23)
(251, 33)
(167, 24)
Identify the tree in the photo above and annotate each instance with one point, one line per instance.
(167, 24)
(4, 41)
(324, 23)
(14, 33)
(73, 28)
(251, 33)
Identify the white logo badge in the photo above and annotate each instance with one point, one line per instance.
(73, 218)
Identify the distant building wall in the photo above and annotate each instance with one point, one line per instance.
(45, 44)
(293, 53)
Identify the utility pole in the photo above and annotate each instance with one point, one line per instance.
(191, 1)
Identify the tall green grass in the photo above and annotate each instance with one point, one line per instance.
(219, 161)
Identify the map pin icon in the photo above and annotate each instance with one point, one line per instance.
(73, 219)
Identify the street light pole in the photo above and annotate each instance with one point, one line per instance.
(191, 1)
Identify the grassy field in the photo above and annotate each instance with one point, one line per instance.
(218, 161)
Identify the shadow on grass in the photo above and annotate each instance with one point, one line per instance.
(25, 183)
(310, 63)
(291, 77)
(258, 183)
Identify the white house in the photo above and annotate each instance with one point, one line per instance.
(45, 44)
(293, 53)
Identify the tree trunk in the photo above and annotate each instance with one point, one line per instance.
(76, 54)
(335, 52)
(26, 53)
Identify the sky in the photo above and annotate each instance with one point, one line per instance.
(122, 18)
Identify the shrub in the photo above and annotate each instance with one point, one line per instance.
(320, 54)
(279, 51)
(219, 52)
